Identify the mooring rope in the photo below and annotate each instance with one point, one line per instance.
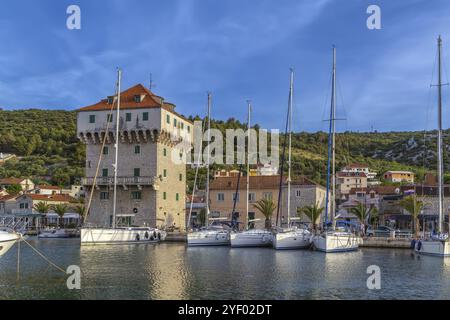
(40, 254)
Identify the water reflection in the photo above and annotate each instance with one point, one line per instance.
(173, 271)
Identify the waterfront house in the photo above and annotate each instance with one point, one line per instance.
(198, 205)
(151, 177)
(399, 176)
(304, 192)
(25, 184)
(345, 181)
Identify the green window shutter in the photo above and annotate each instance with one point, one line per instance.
(105, 150)
(145, 116)
(92, 118)
(164, 195)
(181, 177)
(137, 149)
(177, 197)
(168, 119)
(165, 173)
(137, 172)
(128, 117)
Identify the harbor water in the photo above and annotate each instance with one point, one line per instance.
(174, 271)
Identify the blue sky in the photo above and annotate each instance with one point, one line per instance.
(238, 49)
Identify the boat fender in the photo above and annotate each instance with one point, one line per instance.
(154, 234)
(138, 237)
(413, 243)
(159, 236)
(152, 238)
(419, 245)
(146, 235)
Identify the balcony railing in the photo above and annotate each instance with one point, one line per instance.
(147, 181)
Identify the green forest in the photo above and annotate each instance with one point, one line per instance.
(48, 150)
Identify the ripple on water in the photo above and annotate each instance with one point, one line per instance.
(173, 271)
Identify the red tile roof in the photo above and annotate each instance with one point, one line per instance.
(384, 190)
(50, 198)
(48, 187)
(127, 101)
(256, 182)
(9, 197)
(351, 174)
(357, 165)
(11, 181)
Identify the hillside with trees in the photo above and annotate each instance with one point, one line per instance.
(48, 150)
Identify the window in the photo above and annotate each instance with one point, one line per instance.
(165, 173)
(297, 193)
(105, 150)
(267, 195)
(104, 195)
(137, 98)
(236, 197)
(188, 128)
(164, 195)
(128, 117)
(164, 152)
(110, 100)
(104, 172)
(168, 119)
(92, 118)
(109, 118)
(145, 116)
(137, 172)
(136, 195)
(174, 122)
(220, 197)
(252, 197)
(137, 149)
(180, 177)
(177, 197)
(182, 125)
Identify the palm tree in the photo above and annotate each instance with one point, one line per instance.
(43, 208)
(362, 212)
(266, 207)
(60, 209)
(80, 210)
(313, 212)
(414, 207)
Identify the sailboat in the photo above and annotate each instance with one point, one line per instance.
(7, 240)
(438, 244)
(250, 237)
(214, 234)
(333, 240)
(115, 234)
(291, 237)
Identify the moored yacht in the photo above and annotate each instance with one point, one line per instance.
(437, 245)
(7, 240)
(333, 240)
(251, 238)
(292, 238)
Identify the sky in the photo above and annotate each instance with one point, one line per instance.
(237, 49)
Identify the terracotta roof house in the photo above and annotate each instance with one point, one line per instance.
(26, 184)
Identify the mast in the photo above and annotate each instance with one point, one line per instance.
(116, 147)
(333, 142)
(331, 161)
(249, 106)
(207, 158)
(291, 93)
(439, 144)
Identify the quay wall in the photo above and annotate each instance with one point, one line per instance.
(382, 242)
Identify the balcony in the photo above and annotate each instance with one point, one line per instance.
(126, 181)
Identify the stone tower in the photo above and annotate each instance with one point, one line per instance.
(151, 178)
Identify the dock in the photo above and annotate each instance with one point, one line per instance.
(385, 242)
(176, 237)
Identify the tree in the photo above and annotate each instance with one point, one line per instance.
(80, 210)
(14, 189)
(42, 207)
(363, 213)
(313, 212)
(266, 207)
(414, 207)
(60, 209)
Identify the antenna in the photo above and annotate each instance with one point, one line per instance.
(151, 84)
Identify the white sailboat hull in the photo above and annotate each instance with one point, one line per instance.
(121, 236)
(59, 233)
(336, 242)
(251, 238)
(294, 239)
(433, 248)
(7, 240)
(208, 238)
